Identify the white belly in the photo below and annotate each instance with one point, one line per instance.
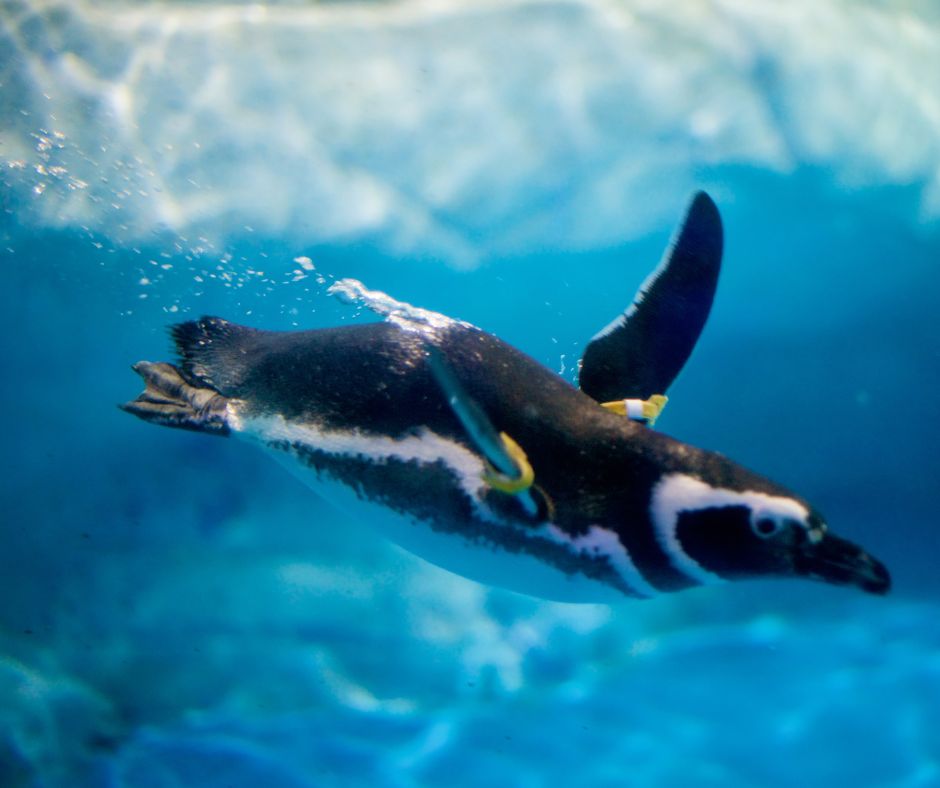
(479, 560)
(476, 560)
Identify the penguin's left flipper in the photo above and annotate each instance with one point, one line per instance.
(641, 352)
(508, 469)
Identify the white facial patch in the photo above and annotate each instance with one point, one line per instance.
(677, 493)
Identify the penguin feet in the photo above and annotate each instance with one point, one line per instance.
(169, 400)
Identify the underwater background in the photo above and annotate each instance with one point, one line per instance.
(176, 610)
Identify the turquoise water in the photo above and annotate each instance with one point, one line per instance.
(176, 610)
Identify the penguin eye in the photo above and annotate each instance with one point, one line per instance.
(766, 526)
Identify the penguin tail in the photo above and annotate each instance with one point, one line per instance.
(214, 352)
(169, 399)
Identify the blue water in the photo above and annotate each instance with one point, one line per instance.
(175, 610)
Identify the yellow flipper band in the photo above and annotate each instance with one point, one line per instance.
(647, 410)
(507, 484)
(653, 407)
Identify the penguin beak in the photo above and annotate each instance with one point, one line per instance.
(839, 561)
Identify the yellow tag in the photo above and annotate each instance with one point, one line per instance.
(617, 406)
(649, 409)
(653, 407)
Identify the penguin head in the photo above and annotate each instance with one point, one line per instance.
(752, 528)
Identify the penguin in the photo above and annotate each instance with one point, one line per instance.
(471, 454)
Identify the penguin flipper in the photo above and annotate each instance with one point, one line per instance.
(502, 455)
(641, 352)
(508, 469)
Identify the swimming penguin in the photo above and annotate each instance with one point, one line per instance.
(471, 454)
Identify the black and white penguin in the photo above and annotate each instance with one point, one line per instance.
(471, 454)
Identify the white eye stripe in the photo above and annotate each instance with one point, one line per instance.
(678, 492)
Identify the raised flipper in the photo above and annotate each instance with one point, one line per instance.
(641, 352)
(508, 469)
